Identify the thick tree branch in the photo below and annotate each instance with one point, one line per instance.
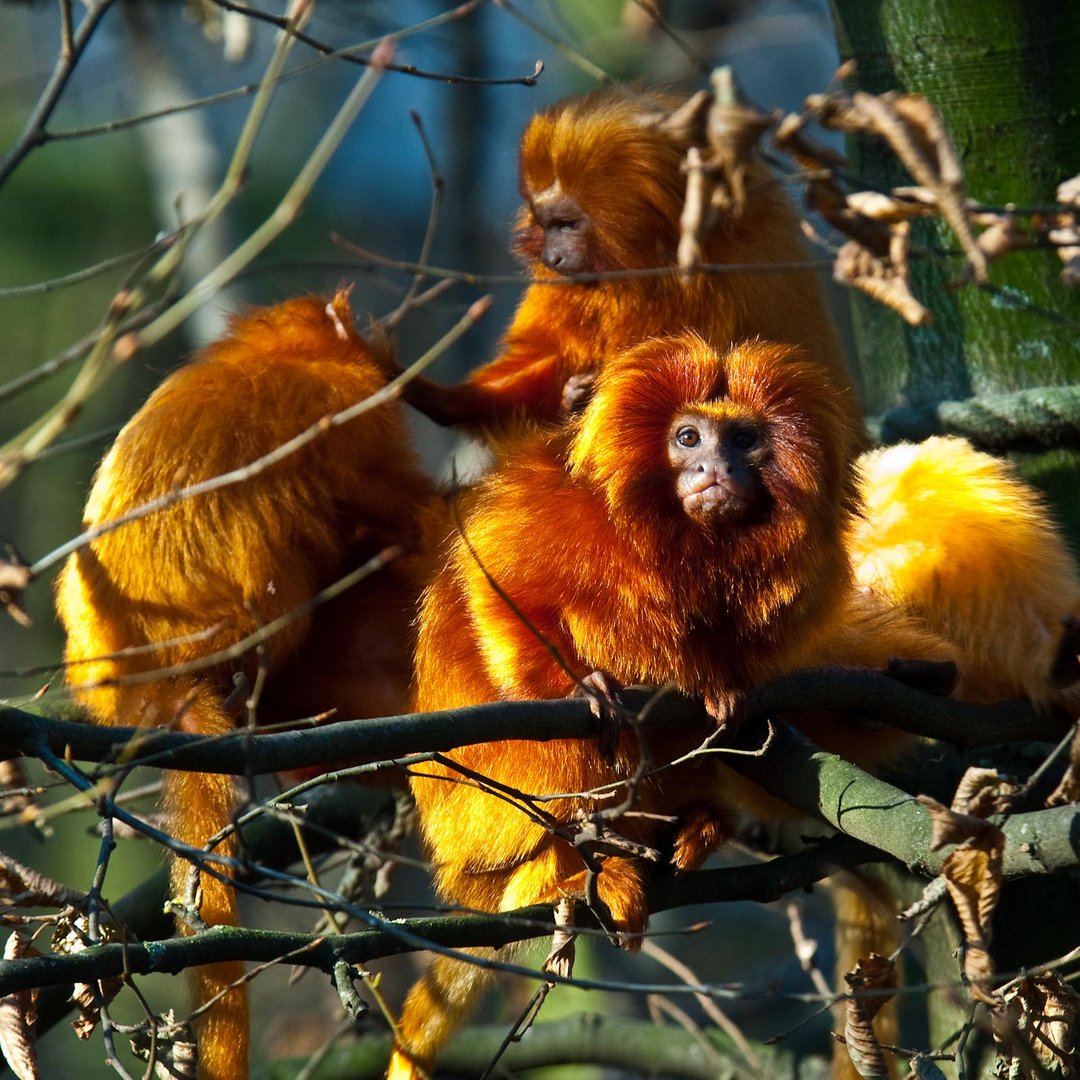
(760, 882)
(852, 691)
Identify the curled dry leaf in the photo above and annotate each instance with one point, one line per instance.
(1067, 241)
(913, 129)
(973, 876)
(18, 1014)
(872, 983)
(692, 219)
(88, 998)
(982, 792)
(724, 131)
(15, 795)
(1068, 191)
(1044, 1010)
(14, 581)
(733, 129)
(924, 1068)
(951, 826)
(1068, 790)
(880, 278)
(560, 957)
(172, 1048)
(22, 887)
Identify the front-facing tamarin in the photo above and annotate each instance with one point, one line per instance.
(688, 530)
(149, 605)
(603, 187)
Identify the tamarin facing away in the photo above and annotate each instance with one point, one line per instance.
(603, 187)
(179, 586)
(688, 529)
(955, 537)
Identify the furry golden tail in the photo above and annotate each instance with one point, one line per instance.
(437, 1005)
(198, 806)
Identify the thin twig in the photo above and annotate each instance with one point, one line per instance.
(33, 133)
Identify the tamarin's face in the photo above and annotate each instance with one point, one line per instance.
(717, 463)
(555, 231)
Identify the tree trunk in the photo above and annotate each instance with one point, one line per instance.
(1005, 77)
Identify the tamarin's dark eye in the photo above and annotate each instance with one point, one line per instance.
(570, 225)
(688, 436)
(743, 440)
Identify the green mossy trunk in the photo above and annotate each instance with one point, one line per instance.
(1005, 76)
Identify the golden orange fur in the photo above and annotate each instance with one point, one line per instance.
(610, 155)
(591, 542)
(236, 558)
(955, 537)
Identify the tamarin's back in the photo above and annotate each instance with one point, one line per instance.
(185, 583)
(955, 536)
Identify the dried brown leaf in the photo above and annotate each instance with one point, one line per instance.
(14, 581)
(172, 1048)
(1067, 241)
(1045, 1009)
(733, 129)
(867, 980)
(924, 1068)
(560, 957)
(1002, 236)
(1068, 790)
(692, 219)
(18, 1014)
(982, 792)
(973, 876)
(878, 278)
(950, 827)
(72, 936)
(15, 792)
(874, 973)
(1068, 191)
(901, 204)
(20, 886)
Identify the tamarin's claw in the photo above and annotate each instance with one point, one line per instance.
(576, 392)
(604, 694)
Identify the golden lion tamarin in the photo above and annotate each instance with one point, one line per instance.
(145, 601)
(688, 530)
(603, 187)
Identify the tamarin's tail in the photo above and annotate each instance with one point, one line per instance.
(437, 1005)
(198, 806)
(865, 923)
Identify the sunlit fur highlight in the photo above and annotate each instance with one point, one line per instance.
(585, 536)
(956, 537)
(238, 557)
(607, 150)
